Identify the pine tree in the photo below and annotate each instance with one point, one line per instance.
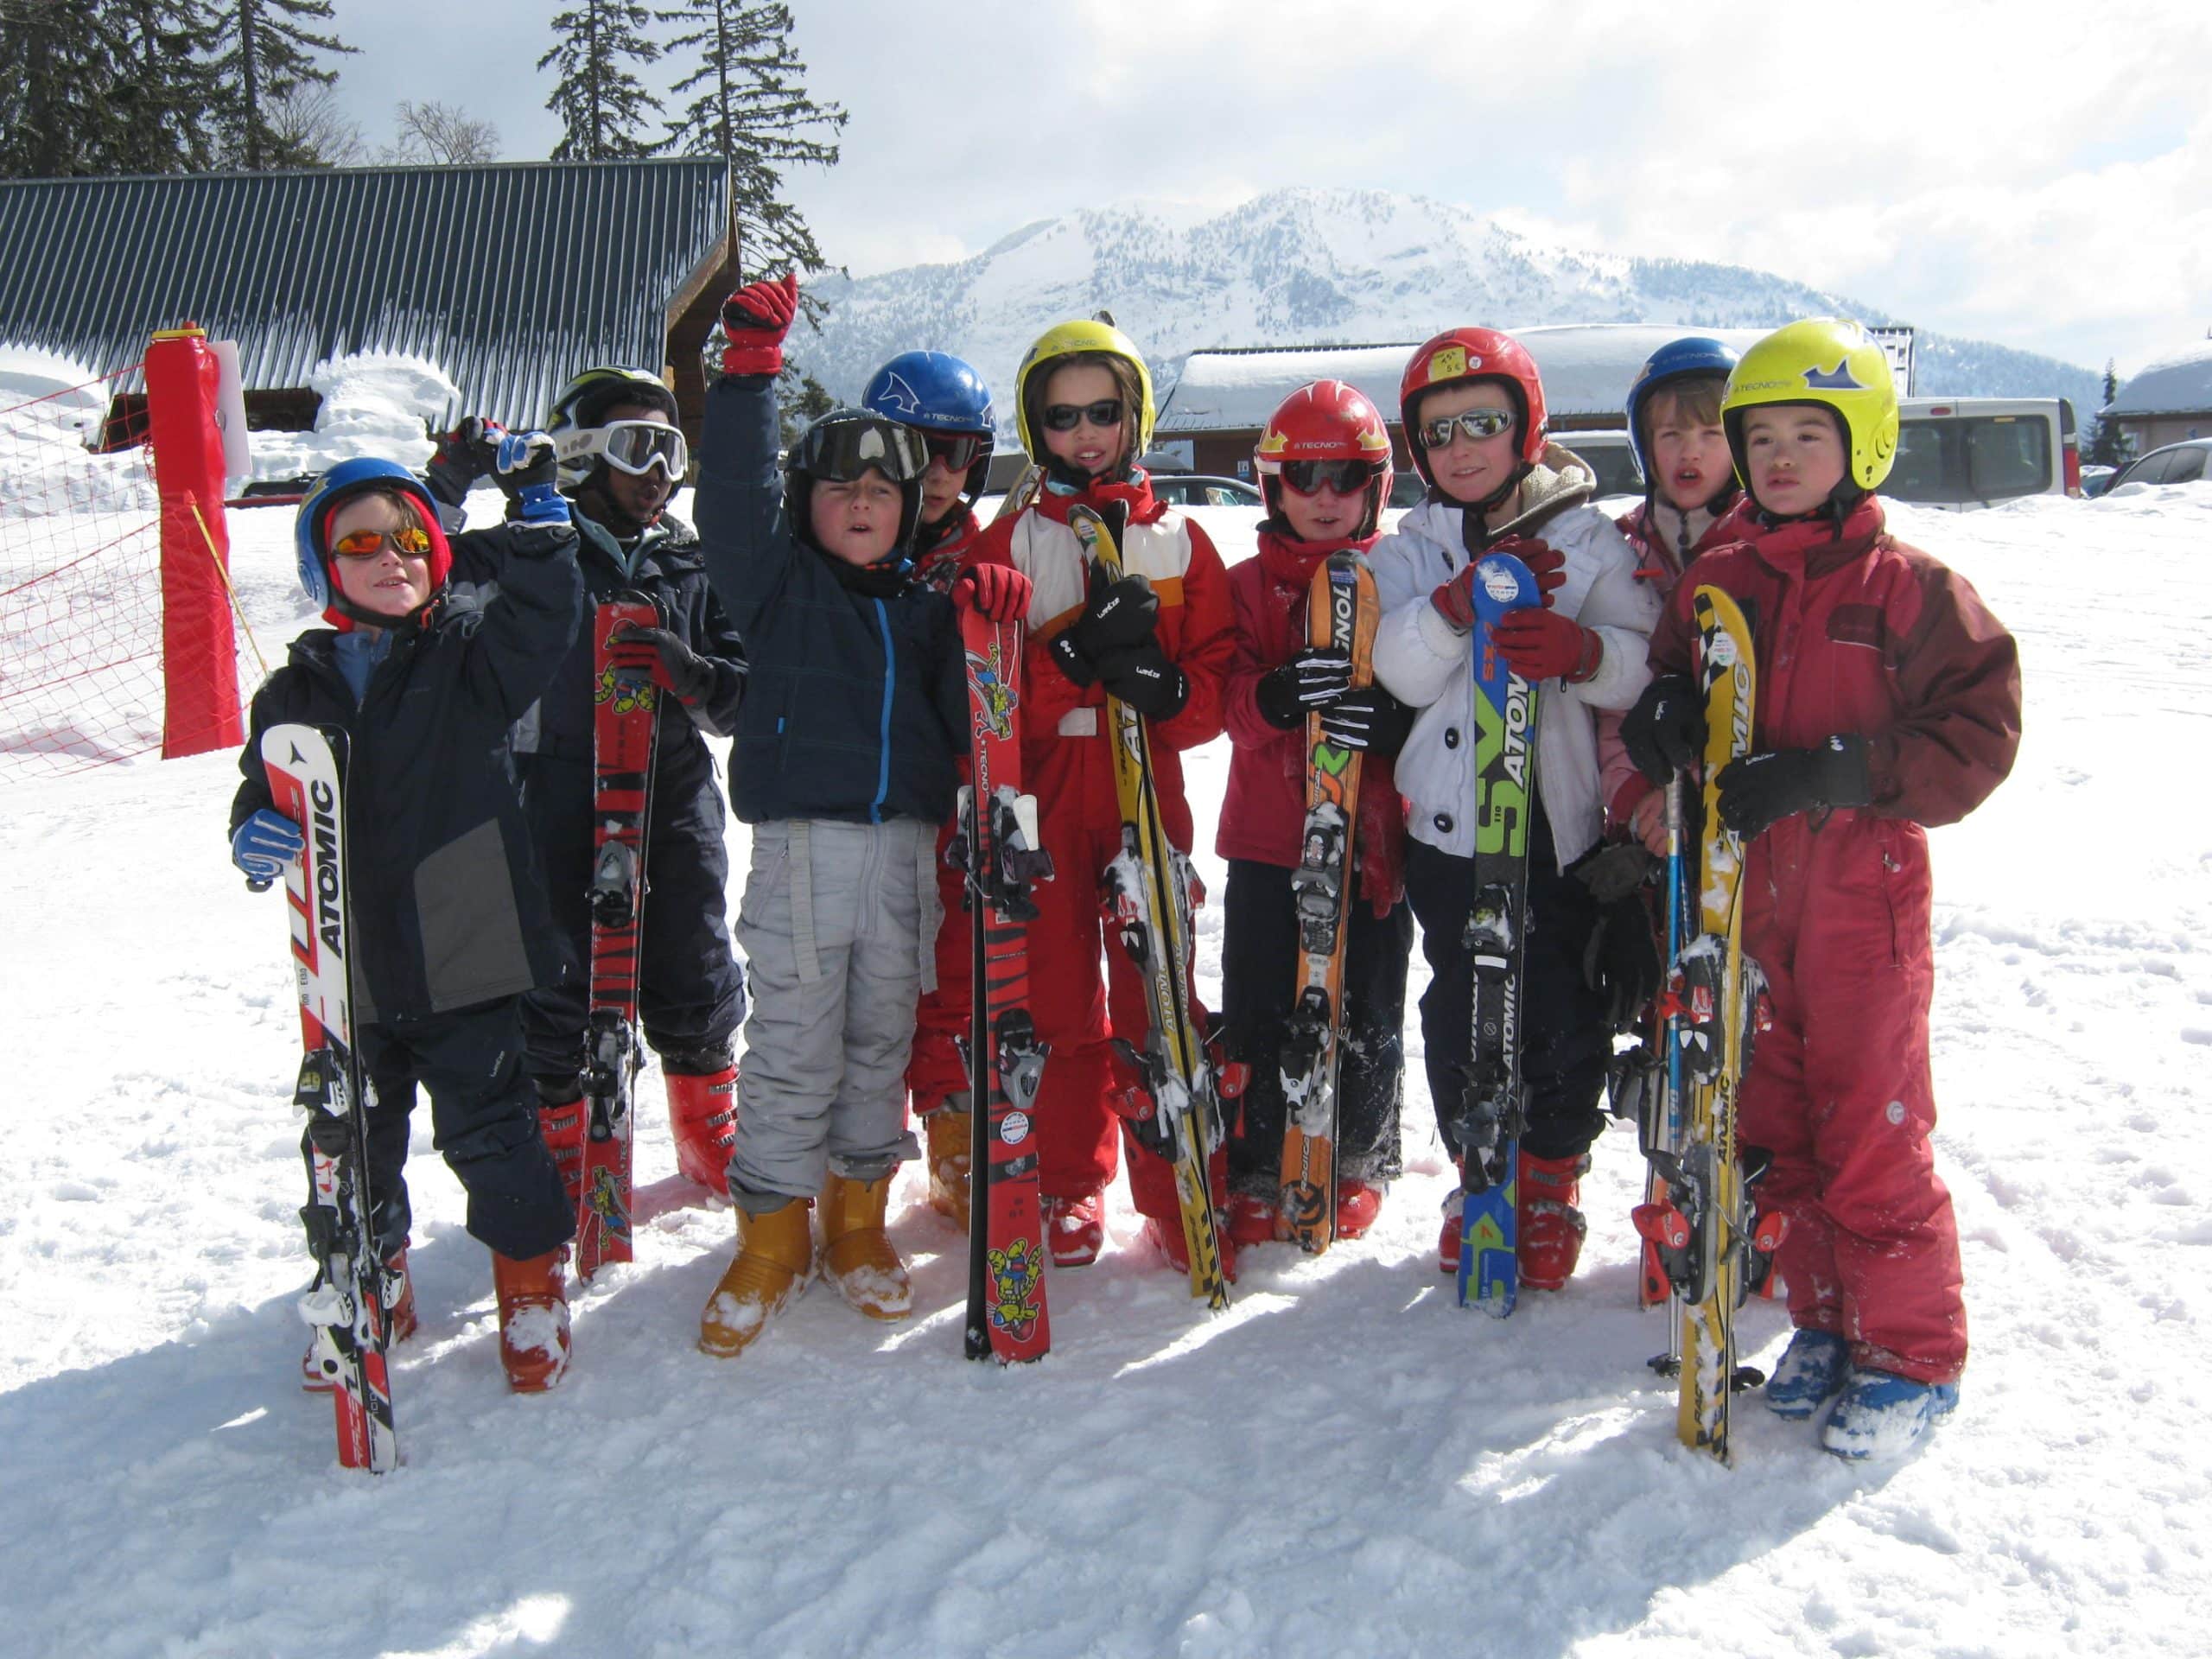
(170, 90)
(58, 115)
(269, 57)
(2108, 445)
(800, 401)
(601, 104)
(752, 109)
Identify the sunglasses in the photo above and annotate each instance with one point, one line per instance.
(1475, 422)
(631, 447)
(1342, 477)
(409, 541)
(957, 451)
(1062, 418)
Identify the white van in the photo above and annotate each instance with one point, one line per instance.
(1963, 453)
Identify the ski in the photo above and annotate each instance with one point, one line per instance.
(624, 704)
(1493, 1111)
(306, 768)
(1148, 886)
(1340, 614)
(997, 847)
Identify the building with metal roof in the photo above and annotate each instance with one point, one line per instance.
(510, 277)
(2167, 400)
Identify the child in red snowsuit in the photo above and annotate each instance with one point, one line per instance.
(1160, 641)
(1888, 699)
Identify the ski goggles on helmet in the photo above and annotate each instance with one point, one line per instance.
(1343, 477)
(957, 451)
(1063, 417)
(842, 450)
(631, 447)
(409, 541)
(1475, 422)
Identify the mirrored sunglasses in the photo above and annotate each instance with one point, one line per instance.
(1344, 477)
(409, 541)
(1062, 418)
(1475, 422)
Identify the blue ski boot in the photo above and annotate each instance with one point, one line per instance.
(1809, 1374)
(1883, 1416)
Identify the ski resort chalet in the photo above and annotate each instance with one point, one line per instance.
(509, 277)
(2167, 400)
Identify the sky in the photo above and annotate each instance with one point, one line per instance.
(2037, 174)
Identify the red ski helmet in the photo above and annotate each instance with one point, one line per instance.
(1473, 354)
(1327, 421)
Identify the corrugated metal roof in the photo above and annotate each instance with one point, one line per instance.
(509, 277)
(2179, 384)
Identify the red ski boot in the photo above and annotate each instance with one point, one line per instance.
(1075, 1230)
(1252, 1220)
(1166, 1236)
(533, 1318)
(1551, 1227)
(702, 1118)
(1358, 1203)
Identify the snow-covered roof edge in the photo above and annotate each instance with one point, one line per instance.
(2179, 384)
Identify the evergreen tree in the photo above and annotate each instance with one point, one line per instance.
(2108, 445)
(58, 113)
(752, 109)
(270, 44)
(601, 103)
(170, 90)
(800, 401)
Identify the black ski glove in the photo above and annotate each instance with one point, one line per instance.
(1142, 676)
(1316, 675)
(464, 455)
(1665, 731)
(1759, 790)
(678, 668)
(1370, 719)
(1121, 614)
(1620, 961)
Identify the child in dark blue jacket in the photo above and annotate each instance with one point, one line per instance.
(424, 669)
(844, 765)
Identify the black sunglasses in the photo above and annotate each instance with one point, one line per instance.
(1062, 418)
(1345, 477)
(957, 451)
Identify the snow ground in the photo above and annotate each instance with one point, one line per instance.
(1340, 1464)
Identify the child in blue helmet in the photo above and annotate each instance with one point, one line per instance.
(947, 402)
(845, 766)
(424, 669)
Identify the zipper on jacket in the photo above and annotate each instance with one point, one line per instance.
(883, 736)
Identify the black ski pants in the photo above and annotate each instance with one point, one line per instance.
(1565, 1041)
(691, 990)
(483, 1117)
(1259, 976)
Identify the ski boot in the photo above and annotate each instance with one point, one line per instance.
(1252, 1219)
(1075, 1230)
(1881, 1416)
(1551, 1228)
(319, 1366)
(1165, 1235)
(857, 1255)
(560, 1120)
(775, 1255)
(533, 1318)
(1359, 1204)
(947, 1134)
(1809, 1374)
(1455, 1228)
(702, 1118)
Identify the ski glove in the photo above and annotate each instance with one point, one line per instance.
(1142, 676)
(1758, 790)
(526, 467)
(1620, 961)
(263, 845)
(755, 319)
(1666, 730)
(1368, 719)
(1317, 675)
(464, 455)
(1121, 613)
(997, 592)
(1455, 600)
(676, 667)
(1546, 645)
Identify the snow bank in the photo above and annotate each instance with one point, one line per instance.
(52, 410)
(373, 403)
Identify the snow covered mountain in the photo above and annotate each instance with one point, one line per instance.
(1324, 267)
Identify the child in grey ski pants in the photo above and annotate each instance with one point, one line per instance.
(835, 925)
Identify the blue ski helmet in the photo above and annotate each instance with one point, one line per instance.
(1692, 354)
(325, 496)
(936, 393)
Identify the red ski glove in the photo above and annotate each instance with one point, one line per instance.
(997, 592)
(755, 319)
(1455, 600)
(1544, 645)
(1546, 563)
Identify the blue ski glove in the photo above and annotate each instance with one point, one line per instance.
(263, 845)
(527, 469)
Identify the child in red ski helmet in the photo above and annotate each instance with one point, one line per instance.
(1888, 698)
(1473, 407)
(1160, 640)
(1324, 465)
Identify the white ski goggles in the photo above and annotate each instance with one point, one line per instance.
(631, 447)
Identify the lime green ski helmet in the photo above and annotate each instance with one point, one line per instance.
(1068, 340)
(1831, 361)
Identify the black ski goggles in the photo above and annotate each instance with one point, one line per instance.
(840, 451)
(1475, 422)
(1340, 477)
(957, 451)
(1064, 418)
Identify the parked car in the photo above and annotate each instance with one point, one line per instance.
(1963, 453)
(1609, 455)
(2176, 463)
(2096, 480)
(1205, 490)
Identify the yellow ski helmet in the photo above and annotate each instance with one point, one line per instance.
(1826, 360)
(1067, 339)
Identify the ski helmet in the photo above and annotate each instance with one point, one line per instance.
(1473, 354)
(582, 405)
(1831, 361)
(1327, 421)
(1084, 338)
(939, 395)
(1677, 360)
(311, 534)
(840, 446)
